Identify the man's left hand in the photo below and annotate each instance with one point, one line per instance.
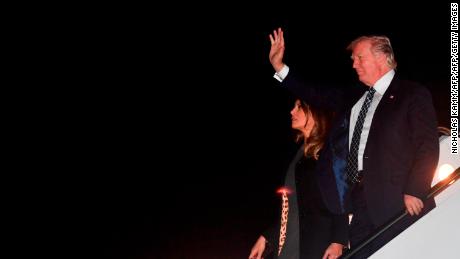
(413, 204)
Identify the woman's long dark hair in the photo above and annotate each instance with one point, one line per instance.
(315, 142)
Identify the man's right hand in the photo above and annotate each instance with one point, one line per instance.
(258, 248)
(277, 49)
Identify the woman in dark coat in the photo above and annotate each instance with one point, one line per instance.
(307, 229)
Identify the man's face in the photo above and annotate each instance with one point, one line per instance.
(367, 64)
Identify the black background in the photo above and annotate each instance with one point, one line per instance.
(189, 133)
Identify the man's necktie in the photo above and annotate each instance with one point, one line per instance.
(352, 163)
(284, 219)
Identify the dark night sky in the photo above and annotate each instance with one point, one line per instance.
(196, 134)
